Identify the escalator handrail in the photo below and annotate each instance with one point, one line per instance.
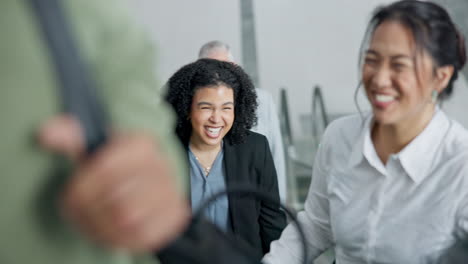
(285, 113)
(317, 98)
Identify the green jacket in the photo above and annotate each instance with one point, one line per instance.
(120, 58)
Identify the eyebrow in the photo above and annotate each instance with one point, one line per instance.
(210, 104)
(394, 57)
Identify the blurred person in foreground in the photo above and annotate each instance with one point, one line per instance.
(57, 204)
(388, 186)
(267, 116)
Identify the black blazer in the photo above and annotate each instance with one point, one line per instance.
(254, 221)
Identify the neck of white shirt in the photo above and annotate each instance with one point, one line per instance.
(391, 139)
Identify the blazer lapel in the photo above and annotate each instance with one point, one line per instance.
(230, 166)
(187, 161)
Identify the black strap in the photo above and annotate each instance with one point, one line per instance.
(77, 87)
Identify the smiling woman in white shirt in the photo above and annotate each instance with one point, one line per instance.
(391, 186)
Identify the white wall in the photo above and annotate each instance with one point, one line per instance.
(300, 43)
(180, 27)
(456, 106)
(308, 42)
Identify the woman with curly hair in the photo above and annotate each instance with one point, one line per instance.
(216, 104)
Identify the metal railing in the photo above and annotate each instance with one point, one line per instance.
(284, 116)
(319, 122)
(289, 152)
(298, 170)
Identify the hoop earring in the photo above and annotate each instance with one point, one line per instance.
(434, 96)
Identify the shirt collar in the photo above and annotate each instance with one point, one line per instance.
(368, 150)
(358, 151)
(417, 157)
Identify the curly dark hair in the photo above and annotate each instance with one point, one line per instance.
(182, 86)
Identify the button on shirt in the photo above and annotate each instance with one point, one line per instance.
(203, 187)
(405, 211)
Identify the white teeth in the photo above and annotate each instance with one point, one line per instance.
(383, 98)
(213, 131)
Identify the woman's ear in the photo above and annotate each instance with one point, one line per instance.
(443, 76)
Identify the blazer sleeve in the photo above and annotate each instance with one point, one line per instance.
(272, 219)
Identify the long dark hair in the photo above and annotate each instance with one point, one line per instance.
(208, 72)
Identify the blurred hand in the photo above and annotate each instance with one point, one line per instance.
(123, 196)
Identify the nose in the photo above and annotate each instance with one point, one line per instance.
(381, 77)
(215, 116)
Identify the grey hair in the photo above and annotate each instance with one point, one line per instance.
(215, 46)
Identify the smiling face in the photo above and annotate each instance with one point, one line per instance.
(211, 114)
(398, 89)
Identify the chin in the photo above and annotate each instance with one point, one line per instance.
(212, 142)
(384, 118)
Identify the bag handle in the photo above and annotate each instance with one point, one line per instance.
(79, 96)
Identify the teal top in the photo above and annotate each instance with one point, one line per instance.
(202, 187)
(121, 60)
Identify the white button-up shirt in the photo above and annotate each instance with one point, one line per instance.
(405, 211)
